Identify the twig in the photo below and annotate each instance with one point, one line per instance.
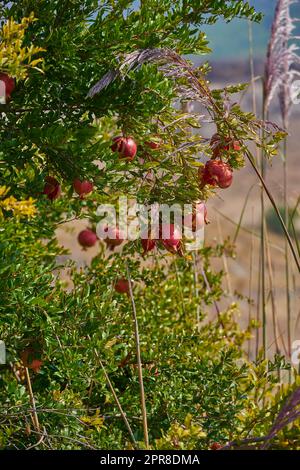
(196, 290)
(139, 361)
(116, 400)
(32, 401)
(39, 441)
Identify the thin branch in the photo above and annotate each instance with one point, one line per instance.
(116, 400)
(139, 361)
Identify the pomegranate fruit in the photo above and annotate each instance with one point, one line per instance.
(154, 144)
(171, 238)
(9, 84)
(114, 237)
(82, 187)
(31, 359)
(87, 238)
(52, 188)
(215, 446)
(216, 173)
(122, 286)
(125, 146)
(148, 245)
(220, 145)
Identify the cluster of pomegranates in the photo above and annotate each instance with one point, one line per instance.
(126, 147)
(216, 172)
(52, 188)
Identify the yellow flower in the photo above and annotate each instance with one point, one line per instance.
(22, 208)
(14, 58)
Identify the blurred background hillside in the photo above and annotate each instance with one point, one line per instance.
(229, 41)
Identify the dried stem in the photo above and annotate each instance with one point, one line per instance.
(284, 228)
(286, 251)
(139, 361)
(272, 295)
(250, 286)
(117, 400)
(196, 290)
(35, 418)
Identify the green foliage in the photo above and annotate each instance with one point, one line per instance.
(199, 387)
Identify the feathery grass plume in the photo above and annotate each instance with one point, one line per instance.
(282, 59)
(171, 64)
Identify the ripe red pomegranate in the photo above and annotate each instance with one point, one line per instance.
(122, 286)
(154, 144)
(148, 245)
(125, 146)
(171, 238)
(220, 145)
(87, 238)
(31, 359)
(52, 188)
(216, 173)
(82, 187)
(114, 238)
(9, 83)
(215, 446)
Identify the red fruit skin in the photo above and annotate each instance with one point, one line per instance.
(205, 177)
(153, 144)
(215, 446)
(30, 359)
(221, 172)
(125, 146)
(9, 84)
(114, 237)
(216, 173)
(148, 244)
(170, 238)
(219, 147)
(82, 187)
(122, 286)
(52, 188)
(87, 238)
